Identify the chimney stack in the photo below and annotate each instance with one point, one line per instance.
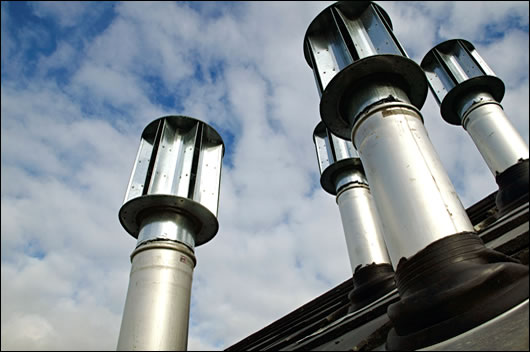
(342, 175)
(371, 93)
(170, 206)
(469, 94)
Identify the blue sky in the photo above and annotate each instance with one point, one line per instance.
(80, 81)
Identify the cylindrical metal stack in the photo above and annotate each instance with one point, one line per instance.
(371, 93)
(342, 175)
(170, 206)
(469, 94)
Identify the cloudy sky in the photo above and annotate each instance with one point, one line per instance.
(81, 80)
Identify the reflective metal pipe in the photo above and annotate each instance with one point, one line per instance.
(469, 94)
(371, 92)
(363, 74)
(167, 225)
(348, 176)
(157, 307)
(415, 198)
(170, 206)
(177, 169)
(362, 228)
(497, 140)
(349, 45)
(342, 175)
(453, 70)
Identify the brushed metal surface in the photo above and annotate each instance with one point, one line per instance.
(454, 68)
(497, 140)
(177, 169)
(348, 44)
(416, 200)
(362, 227)
(156, 313)
(342, 175)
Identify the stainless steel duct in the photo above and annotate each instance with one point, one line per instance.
(371, 92)
(170, 206)
(342, 175)
(469, 94)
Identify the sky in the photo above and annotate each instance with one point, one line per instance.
(81, 80)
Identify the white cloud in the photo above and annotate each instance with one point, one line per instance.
(64, 57)
(68, 146)
(64, 13)
(486, 17)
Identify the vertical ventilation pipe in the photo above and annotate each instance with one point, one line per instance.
(170, 206)
(371, 93)
(342, 175)
(469, 94)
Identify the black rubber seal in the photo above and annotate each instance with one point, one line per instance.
(513, 187)
(451, 286)
(370, 282)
